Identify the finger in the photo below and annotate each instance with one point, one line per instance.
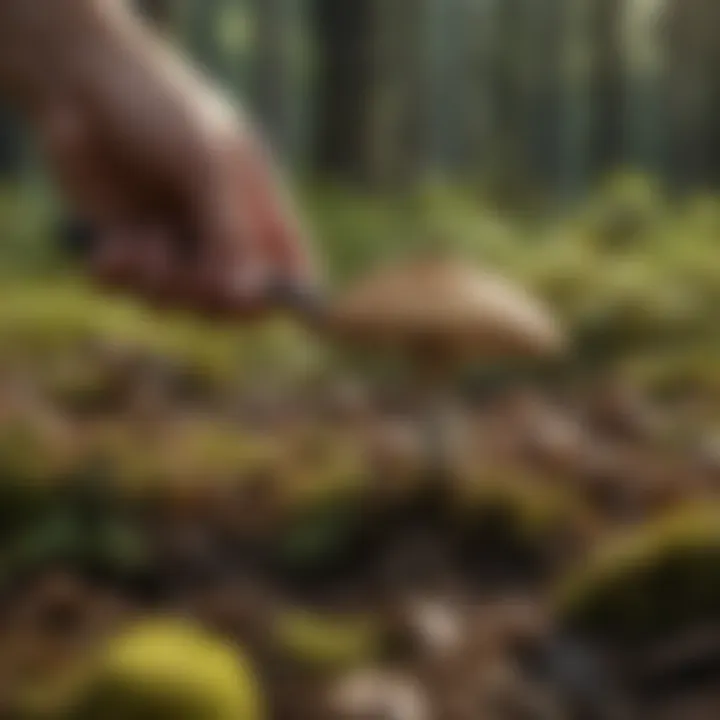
(280, 231)
(81, 169)
(231, 272)
(142, 258)
(156, 268)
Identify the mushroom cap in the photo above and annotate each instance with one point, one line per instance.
(446, 305)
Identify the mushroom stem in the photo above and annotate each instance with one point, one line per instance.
(435, 369)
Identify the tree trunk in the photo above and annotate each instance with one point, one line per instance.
(395, 143)
(607, 85)
(272, 77)
(481, 102)
(203, 37)
(346, 41)
(545, 35)
(508, 156)
(645, 112)
(576, 118)
(439, 84)
(692, 89)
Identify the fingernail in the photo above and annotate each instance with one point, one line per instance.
(295, 296)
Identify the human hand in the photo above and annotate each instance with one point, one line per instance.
(183, 199)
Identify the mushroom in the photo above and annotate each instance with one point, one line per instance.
(430, 627)
(377, 694)
(446, 309)
(441, 313)
(395, 453)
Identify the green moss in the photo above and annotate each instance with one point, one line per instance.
(689, 369)
(323, 509)
(327, 642)
(182, 457)
(525, 511)
(34, 464)
(653, 580)
(42, 324)
(626, 269)
(320, 537)
(167, 670)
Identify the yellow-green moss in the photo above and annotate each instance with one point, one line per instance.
(652, 580)
(169, 670)
(532, 512)
(327, 642)
(40, 323)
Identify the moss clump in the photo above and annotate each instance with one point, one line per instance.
(323, 508)
(654, 581)
(43, 326)
(35, 462)
(179, 457)
(167, 670)
(325, 642)
(522, 517)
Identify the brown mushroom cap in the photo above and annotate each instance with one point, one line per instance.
(448, 306)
